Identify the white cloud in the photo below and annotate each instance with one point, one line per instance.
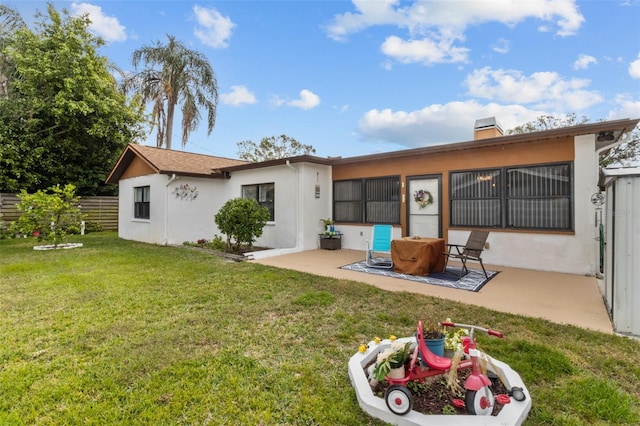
(239, 95)
(434, 26)
(369, 13)
(425, 51)
(422, 17)
(501, 46)
(634, 68)
(438, 124)
(584, 61)
(107, 27)
(547, 90)
(307, 100)
(626, 107)
(213, 29)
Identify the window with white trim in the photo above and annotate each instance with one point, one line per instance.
(141, 202)
(264, 194)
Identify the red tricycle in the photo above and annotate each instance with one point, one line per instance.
(479, 399)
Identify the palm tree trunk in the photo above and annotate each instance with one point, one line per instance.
(170, 110)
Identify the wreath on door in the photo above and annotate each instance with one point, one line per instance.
(423, 198)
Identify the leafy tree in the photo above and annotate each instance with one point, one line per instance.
(548, 122)
(10, 22)
(241, 220)
(64, 121)
(272, 148)
(184, 76)
(50, 215)
(620, 154)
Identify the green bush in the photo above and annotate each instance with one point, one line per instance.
(93, 227)
(49, 216)
(242, 221)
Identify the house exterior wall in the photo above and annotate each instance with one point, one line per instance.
(174, 219)
(571, 252)
(296, 209)
(148, 231)
(187, 219)
(190, 219)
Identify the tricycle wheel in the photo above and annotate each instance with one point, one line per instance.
(480, 402)
(398, 399)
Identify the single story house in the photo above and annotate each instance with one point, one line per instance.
(532, 191)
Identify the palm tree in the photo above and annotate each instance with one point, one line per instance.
(185, 77)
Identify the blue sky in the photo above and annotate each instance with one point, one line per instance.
(361, 77)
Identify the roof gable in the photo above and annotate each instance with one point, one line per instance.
(166, 161)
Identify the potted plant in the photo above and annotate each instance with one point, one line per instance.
(391, 361)
(330, 239)
(453, 340)
(434, 337)
(328, 225)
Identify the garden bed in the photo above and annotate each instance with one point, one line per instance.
(372, 402)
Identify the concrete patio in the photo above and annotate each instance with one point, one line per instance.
(557, 297)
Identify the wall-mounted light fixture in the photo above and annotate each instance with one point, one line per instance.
(605, 137)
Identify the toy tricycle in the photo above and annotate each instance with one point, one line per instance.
(479, 399)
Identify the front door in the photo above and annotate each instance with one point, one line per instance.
(423, 206)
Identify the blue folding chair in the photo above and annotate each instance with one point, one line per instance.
(380, 243)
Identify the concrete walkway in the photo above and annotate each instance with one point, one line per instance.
(561, 298)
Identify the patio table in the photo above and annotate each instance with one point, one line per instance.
(418, 256)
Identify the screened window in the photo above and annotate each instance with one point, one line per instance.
(536, 197)
(375, 200)
(476, 198)
(539, 197)
(347, 201)
(141, 204)
(264, 194)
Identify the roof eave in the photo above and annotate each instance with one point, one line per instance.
(215, 174)
(280, 162)
(619, 127)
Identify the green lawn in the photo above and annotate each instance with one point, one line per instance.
(118, 332)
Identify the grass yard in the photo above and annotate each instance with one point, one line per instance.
(124, 333)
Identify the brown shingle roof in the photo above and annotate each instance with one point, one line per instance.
(166, 161)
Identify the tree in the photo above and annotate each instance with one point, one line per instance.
(185, 76)
(241, 220)
(621, 154)
(51, 216)
(10, 22)
(272, 148)
(65, 120)
(548, 122)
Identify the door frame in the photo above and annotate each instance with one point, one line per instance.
(409, 197)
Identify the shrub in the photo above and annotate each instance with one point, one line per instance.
(49, 216)
(242, 221)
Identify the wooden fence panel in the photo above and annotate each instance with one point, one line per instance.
(101, 210)
(8, 207)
